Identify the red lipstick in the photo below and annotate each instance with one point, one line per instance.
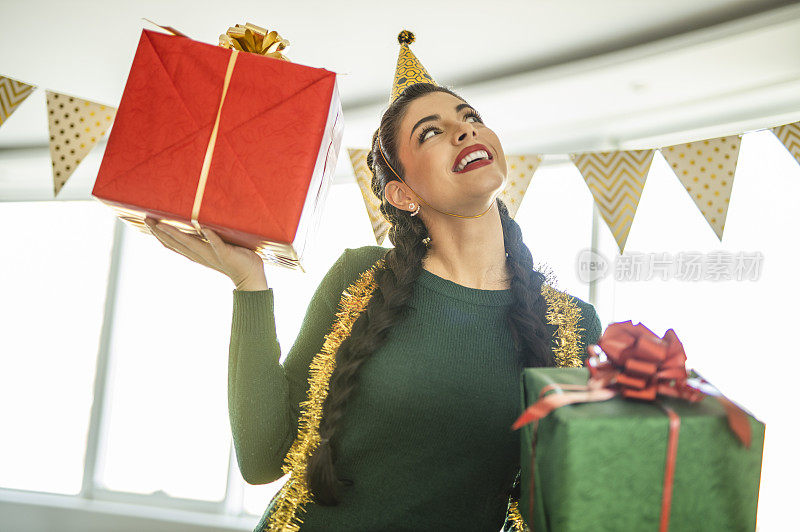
(466, 151)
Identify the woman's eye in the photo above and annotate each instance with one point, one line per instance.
(424, 135)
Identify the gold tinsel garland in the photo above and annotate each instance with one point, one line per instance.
(565, 314)
(294, 492)
(562, 312)
(515, 517)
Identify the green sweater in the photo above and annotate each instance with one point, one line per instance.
(426, 438)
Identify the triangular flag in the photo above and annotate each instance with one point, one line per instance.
(380, 227)
(12, 93)
(789, 135)
(706, 169)
(520, 172)
(616, 180)
(75, 127)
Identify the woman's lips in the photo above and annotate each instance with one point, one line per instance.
(474, 165)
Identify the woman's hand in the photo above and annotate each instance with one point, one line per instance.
(243, 266)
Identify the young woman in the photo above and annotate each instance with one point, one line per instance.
(414, 431)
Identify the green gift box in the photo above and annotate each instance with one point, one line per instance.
(600, 465)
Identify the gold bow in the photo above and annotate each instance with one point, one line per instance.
(253, 39)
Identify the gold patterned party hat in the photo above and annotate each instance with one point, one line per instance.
(409, 70)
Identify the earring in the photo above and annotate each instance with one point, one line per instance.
(426, 240)
(411, 206)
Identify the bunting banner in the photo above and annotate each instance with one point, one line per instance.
(520, 172)
(706, 170)
(616, 180)
(12, 93)
(75, 127)
(789, 135)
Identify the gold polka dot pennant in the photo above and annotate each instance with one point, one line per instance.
(616, 180)
(12, 93)
(520, 172)
(409, 69)
(706, 169)
(789, 135)
(75, 127)
(363, 175)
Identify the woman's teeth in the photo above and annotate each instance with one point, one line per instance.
(479, 154)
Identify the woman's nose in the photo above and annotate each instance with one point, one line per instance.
(463, 134)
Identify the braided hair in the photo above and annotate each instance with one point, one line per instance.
(395, 286)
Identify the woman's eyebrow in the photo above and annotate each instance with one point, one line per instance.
(459, 107)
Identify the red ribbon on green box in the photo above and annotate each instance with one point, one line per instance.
(636, 364)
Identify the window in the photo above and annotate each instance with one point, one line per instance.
(53, 280)
(167, 423)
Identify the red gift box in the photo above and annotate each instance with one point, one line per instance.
(260, 182)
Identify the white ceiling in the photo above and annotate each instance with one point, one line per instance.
(549, 76)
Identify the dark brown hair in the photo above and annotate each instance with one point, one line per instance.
(395, 286)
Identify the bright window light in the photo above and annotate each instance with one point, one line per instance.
(556, 221)
(167, 424)
(53, 280)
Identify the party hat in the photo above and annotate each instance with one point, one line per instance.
(409, 70)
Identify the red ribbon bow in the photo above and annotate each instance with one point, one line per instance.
(638, 365)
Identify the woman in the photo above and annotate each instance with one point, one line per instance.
(415, 427)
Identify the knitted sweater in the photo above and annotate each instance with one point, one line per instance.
(425, 438)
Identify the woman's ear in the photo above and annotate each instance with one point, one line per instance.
(398, 195)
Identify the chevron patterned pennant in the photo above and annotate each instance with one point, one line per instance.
(616, 180)
(520, 172)
(706, 169)
(12, 93)
(75, 127)
(789, 135)
(380, 227)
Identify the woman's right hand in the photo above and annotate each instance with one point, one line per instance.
(242, 265)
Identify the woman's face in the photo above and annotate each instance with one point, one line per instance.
(431, 139)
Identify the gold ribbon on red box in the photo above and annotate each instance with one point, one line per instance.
(637, 365)
(248, 38)
(254, 39)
